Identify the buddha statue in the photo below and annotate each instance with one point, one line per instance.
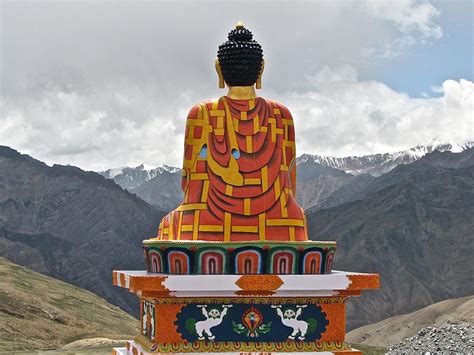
(231, 269)
(239, 166)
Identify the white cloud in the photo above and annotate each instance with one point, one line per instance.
(414, 20)
(97, 130)
(105, 95)
(342, 117)
(411, 16)
(327, 75)
(354, 118)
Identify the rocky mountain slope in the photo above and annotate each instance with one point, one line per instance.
(73, 225)
(363, 185)
(39, 312)
(414, 226)
(163, 191)
(393, 330)
(316, 182)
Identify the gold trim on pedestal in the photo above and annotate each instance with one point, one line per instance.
(207, 346)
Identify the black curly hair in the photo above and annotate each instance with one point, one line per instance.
(240, 58)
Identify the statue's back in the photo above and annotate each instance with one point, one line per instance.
(238, 174)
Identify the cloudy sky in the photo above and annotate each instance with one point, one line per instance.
(102, 84)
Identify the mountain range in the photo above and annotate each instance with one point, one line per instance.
(70, 224)
(378, 164)
(318, 176)
(130, 178)
(413, 225)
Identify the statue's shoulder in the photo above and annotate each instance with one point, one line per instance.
(279, 108)
(196, 110)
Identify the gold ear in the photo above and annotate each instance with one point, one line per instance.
(219, 74)
(258, 84)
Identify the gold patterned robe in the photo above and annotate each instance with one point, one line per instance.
(239, 175)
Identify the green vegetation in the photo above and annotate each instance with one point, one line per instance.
(38, 312)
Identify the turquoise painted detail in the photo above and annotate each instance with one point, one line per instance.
(203, 152)
(235, 153)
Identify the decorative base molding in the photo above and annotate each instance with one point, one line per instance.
(134, 348)
(338, 283)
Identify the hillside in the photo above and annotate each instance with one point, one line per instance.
(414, 227)
(39, 312)
(392, 330)
(70, 224)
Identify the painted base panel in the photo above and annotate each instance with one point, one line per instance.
(242, 324)
(133, 348)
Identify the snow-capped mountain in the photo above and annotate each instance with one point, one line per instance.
(378, 164)
(130, 178)
(318, 176)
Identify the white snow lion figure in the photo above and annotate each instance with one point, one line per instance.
(290, 319)
(214, 317)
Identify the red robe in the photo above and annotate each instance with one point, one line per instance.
(239, 175)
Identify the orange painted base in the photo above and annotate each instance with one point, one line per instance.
(242, 313)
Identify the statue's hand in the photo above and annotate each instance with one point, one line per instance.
(229, 174)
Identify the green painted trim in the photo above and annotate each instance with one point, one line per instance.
(258, 244)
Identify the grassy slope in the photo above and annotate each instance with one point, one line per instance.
(370, 350)
(392, 330)
(39, 312)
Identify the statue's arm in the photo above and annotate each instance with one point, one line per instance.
(192, 135)
(293, 176)
(290, 142)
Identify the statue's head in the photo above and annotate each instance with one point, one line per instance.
(240, 59)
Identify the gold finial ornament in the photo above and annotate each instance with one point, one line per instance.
(239, 24)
